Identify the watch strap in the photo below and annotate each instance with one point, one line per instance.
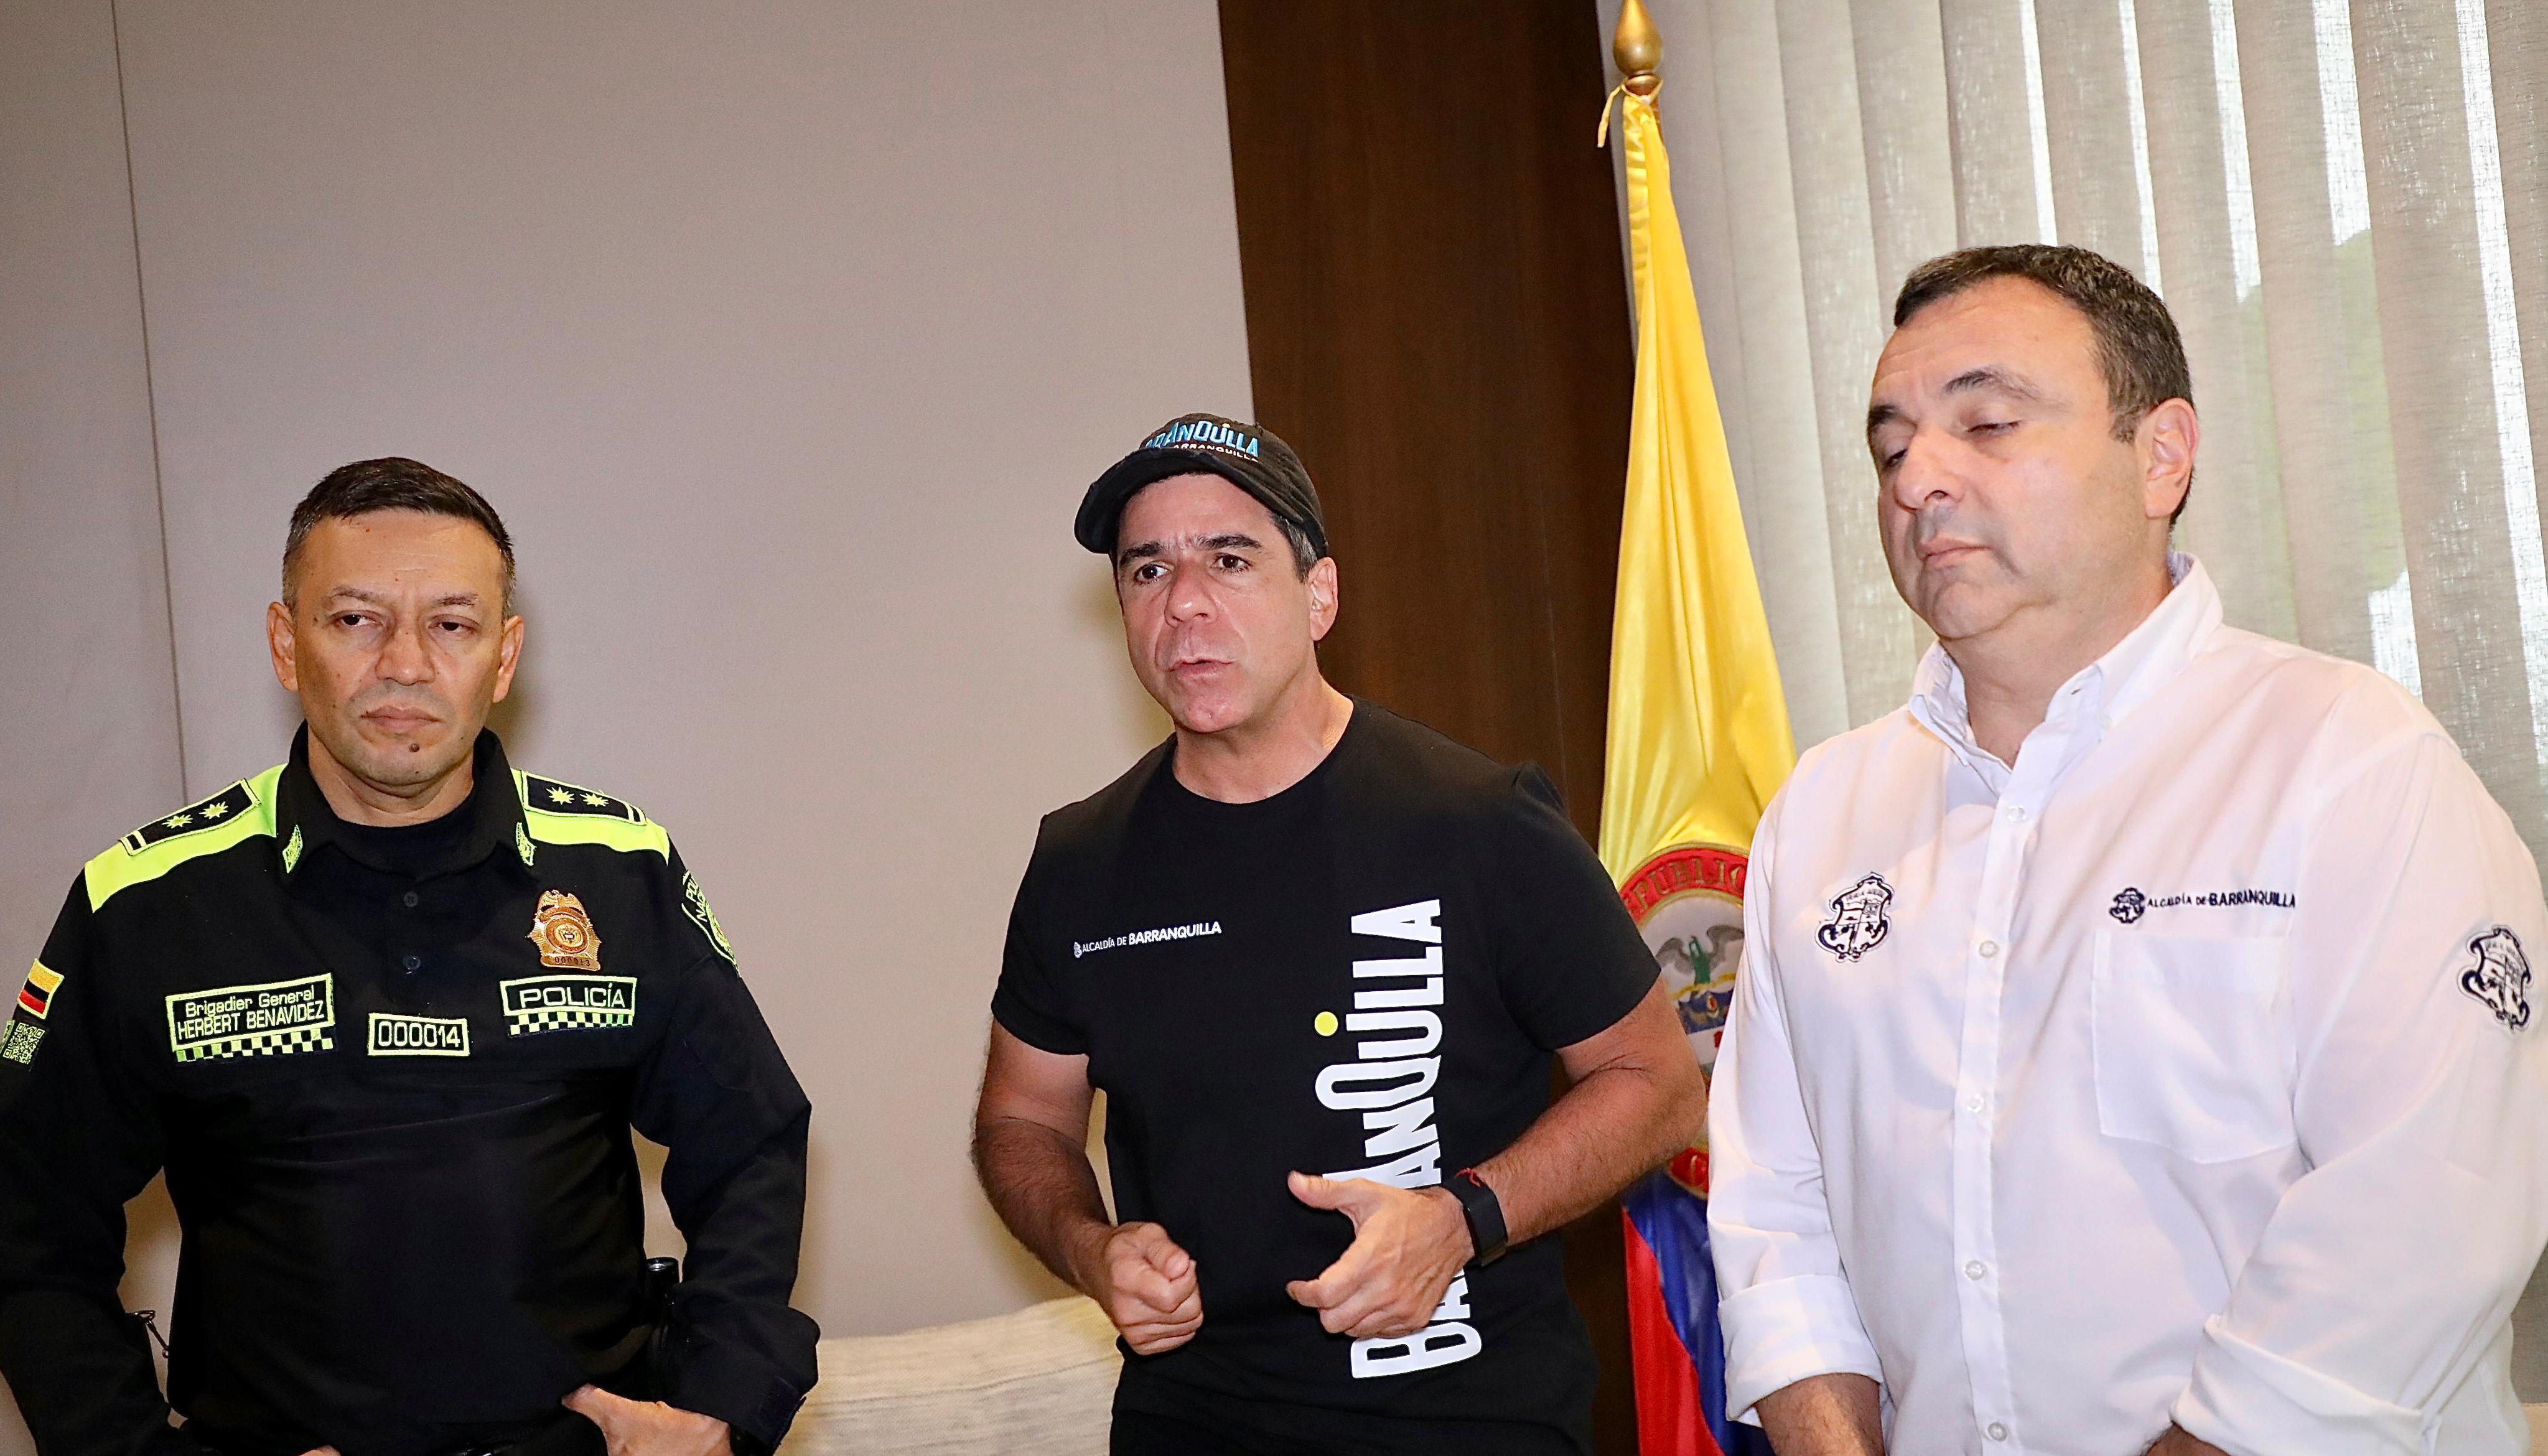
(1485, 1212)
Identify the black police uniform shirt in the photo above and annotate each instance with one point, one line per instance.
(1364, 977)
(390, 1075)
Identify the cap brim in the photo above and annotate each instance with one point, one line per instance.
(1102, 509)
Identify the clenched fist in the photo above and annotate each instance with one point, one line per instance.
(1407, 1249)
(1146, 1285)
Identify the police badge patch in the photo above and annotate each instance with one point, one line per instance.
(2501, 980)
(564, 933)
(1857, 924)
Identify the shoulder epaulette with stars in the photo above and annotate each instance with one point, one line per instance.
(211, 813)
(240, 812)
(549, 796)
(556, 812)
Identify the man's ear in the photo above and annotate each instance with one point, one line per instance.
(2166, 442)
(280, 639)
(510, 657)
(1321, 581)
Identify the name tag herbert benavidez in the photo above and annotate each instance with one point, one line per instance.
(274, 1019)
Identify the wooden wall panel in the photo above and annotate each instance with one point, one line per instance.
(1437, 321)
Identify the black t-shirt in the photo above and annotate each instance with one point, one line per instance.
(1362, 975)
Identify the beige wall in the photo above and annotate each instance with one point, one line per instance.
(89, 722)
(783, 335)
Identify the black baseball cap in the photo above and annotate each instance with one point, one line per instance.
(1246, 455)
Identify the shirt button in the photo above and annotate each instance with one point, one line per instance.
(1989, 948)
(2015, 813)
(411, 963)
(1973, 1103)
(409, 900)
(1974, 1270)
(1995, 1432)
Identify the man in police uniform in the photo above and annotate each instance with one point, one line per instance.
(385, 1014)
(2135, 1049)
(1320, 959)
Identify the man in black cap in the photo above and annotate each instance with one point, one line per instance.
(1320, 957)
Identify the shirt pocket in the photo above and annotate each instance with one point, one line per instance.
(2192, 1050)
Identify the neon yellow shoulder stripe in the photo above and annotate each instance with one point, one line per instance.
(594, 819)
(242, 811)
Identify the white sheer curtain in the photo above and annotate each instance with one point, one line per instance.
(2345, 207)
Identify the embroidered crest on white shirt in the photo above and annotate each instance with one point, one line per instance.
(1857, 924)
(2133, 903)
(2501, 980)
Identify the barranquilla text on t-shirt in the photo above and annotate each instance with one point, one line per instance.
(1389, 1082)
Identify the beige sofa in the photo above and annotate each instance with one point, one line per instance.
(1036, 1383)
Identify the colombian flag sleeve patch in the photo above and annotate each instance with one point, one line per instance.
(37, 995)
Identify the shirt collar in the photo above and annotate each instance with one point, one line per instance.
(2099, 695)
(304, 819)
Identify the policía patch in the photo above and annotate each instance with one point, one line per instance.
(1857, 924)
(35, 997)
(567, 1003)
(417, 1035)
(274, 1019)
(2501, 980)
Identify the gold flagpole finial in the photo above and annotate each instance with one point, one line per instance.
(1638, 49)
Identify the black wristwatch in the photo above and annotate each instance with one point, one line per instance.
(1484, 1215)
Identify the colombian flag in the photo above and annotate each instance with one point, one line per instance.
(1698, 741)
(37, 995)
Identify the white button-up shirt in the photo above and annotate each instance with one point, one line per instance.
(2186, 1068)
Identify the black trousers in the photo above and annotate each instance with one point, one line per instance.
(573, 1436)
(1141, 1433)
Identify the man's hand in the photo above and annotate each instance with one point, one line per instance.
(1145, 1284)
(1407, 1249)
(2177, 1443)
(648, 1428)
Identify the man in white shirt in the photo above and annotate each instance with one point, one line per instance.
(2134, 1042)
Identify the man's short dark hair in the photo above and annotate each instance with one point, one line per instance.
(1304, 552)
(393, 482)
(2137, 347)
